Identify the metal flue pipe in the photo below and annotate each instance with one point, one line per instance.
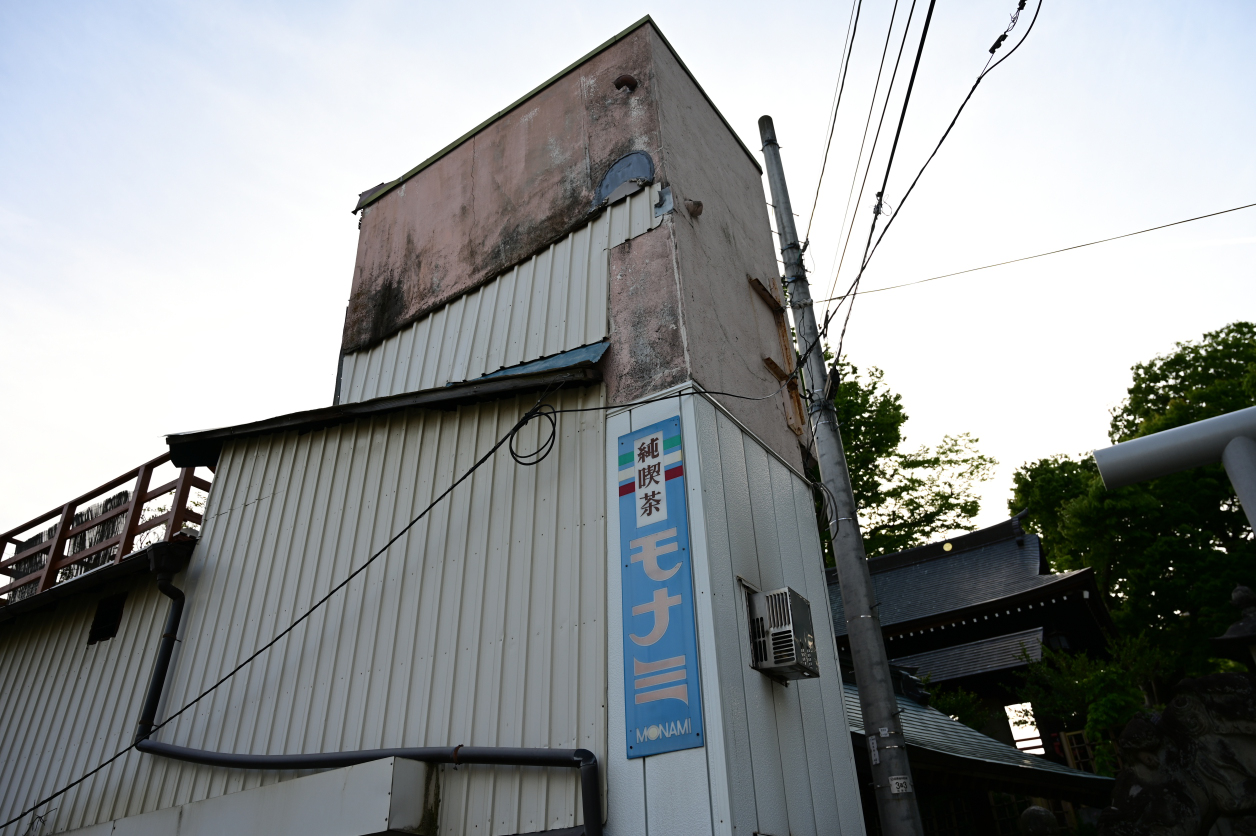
(887, 749)
(1229, 439)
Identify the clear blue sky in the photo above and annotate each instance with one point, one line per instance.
(176, 244)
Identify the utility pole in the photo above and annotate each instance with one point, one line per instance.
(887, 752)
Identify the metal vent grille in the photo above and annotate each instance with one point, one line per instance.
(782, 640)
(778, 609)
(782, 648)
(758, 635)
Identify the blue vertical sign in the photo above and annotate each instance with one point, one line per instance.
(662, 695)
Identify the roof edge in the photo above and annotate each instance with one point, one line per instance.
(201, 448)
(372, 195)
(1066, 581)
(1009, 529)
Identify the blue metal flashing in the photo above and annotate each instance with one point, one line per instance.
(585, 355)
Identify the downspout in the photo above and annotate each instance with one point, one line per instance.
(165, 559)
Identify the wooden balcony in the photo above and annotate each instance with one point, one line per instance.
(99, 528)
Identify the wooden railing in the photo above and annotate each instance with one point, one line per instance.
(97, 534)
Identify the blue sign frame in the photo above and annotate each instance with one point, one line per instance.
(662, 687)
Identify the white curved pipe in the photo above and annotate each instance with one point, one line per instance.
(1227, 438)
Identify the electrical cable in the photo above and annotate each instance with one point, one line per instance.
(841, 88)
(536, 411)
(989, 68)
(540, 410)
(1041, 255)
(985, 72)
(839, 260)
(545, 412)
(889, 165)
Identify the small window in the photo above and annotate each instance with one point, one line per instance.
(1024, 729)
(108, 618)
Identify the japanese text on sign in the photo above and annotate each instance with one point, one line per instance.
(661, 686)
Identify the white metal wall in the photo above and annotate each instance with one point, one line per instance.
(553, 302)
(777, 760)
(484, 626)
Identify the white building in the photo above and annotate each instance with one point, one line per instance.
(600, 243)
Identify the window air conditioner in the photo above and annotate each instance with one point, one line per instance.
(782, 640)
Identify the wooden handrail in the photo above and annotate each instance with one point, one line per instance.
(49, 574)
(112, 483)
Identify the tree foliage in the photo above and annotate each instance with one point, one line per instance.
(905, 496)
(1100, 695)
(960, 705)
(1165, 553)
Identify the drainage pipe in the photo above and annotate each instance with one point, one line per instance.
(582, 759)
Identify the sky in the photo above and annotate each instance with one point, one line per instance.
(177, 179)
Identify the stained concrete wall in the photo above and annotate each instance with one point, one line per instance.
(680, 305)
(728, 328)
(505, 193)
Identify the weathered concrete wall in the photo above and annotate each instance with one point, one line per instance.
(680, 305)
(510, 190)
(647, 344)
(729, 329)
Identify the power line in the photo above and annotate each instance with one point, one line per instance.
(876, 212)
(985, 72)
(852, 31)
(870, 248)
(1039, 255)
(845, 232)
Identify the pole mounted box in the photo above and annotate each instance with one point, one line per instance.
(782, 639)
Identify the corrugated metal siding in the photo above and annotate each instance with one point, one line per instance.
(553, 302)
(789, 757)
(485, 625)
(66, 707)
(777, 760)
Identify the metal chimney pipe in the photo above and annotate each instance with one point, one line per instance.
(1226, 438)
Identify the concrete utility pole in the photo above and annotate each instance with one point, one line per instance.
(887, 752)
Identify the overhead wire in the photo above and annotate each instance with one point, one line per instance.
(870, 247)
(1040, 255)
(889, 165)
(848, 51)
(989, 68)
(840, 259)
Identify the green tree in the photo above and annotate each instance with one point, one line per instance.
(961, 705)
(1165, 553)
(905, 497)
(1100, 695)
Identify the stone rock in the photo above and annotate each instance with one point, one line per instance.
(1037, 821)
(1190, 766)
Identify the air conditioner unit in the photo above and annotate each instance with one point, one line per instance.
(782, 640)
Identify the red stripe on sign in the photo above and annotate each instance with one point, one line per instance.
(675, 472)
(626, 488)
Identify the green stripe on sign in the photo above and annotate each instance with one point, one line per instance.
(625, 458)
(669, 443)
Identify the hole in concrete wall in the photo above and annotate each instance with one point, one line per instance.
(626, 82)
(108, 618)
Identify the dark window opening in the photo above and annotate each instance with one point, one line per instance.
(108, 618)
